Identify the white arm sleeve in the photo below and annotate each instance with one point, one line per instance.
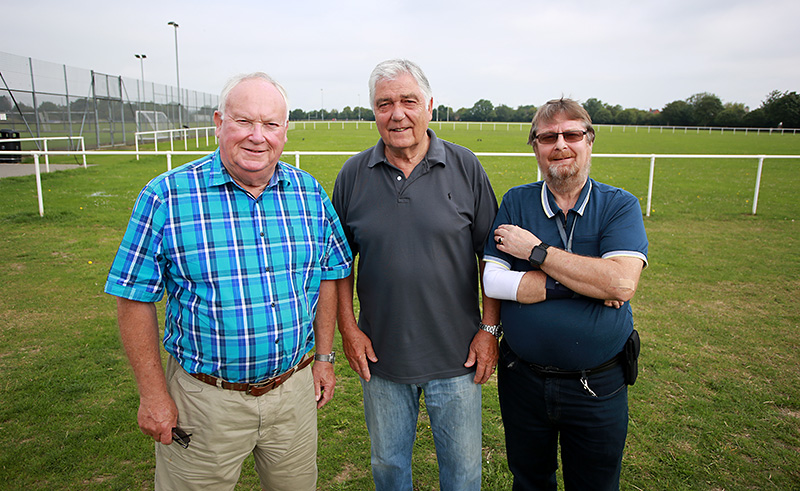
(501, 283)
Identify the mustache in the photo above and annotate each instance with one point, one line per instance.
(562, 155)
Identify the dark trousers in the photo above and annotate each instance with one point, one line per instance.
(538, 411)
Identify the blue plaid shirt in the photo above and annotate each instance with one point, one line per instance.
(242, 275)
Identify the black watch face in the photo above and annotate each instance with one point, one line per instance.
(537, 255)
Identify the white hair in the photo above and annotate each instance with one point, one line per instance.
(391, 69)
(237, 79)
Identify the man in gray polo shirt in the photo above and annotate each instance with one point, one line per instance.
(417, 210)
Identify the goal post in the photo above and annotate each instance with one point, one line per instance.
(152, 121)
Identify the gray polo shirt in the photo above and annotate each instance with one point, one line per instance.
(418, 242)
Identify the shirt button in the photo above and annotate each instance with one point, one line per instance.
(399, 178)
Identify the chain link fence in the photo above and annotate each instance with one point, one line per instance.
(41, 99)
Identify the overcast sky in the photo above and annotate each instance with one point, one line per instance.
(635, 53)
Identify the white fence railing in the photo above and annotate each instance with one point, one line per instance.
(522, 126)
(297, 154)
(185, 134)
(45, 150)
(181, 133)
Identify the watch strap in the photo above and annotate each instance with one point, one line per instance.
(495, 330)
(330, 358)
(538, 254)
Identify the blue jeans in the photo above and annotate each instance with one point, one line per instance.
(538, 411)
(454, 408)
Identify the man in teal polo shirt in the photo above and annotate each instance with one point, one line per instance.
(565, 257)
(247, 249)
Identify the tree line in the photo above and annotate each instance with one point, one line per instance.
(779, 109)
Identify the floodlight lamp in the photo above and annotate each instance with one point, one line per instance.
(172, 23)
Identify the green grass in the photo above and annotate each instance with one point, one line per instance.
(716, 406)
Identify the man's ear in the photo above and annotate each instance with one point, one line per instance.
(217, 122)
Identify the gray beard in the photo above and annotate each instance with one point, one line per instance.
(565, 184)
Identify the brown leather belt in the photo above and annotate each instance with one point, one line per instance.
(256, 389)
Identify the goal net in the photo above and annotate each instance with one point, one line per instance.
(152, 121)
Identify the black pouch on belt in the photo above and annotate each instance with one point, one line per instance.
(630, 358)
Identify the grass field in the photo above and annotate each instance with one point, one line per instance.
(716, 406)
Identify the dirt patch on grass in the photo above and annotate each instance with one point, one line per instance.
(348, 473)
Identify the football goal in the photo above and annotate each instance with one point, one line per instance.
(152, 121)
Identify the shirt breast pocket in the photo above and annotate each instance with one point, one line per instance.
(586, 245)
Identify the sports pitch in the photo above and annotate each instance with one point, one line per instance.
(716, 405)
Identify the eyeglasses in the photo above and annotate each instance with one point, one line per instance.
(250, 124)
(181, 437)
(569, 137)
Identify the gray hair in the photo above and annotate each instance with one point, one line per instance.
(556, 107)
(391, 70)
(237, 79)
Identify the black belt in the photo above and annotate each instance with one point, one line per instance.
(557, 372)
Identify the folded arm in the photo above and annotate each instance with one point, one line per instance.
(613, 279)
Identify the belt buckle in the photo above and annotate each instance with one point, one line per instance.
(271, 383)
(260, 385)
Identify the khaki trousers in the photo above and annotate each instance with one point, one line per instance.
(279, 428)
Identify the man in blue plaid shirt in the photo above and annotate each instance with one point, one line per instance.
(247, 249)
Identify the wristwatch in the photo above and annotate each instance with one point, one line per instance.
(538, 254)
(495, 330)
(329, 358)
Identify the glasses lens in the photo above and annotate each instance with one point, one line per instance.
(569, 137)
(181, 437)
(547, 138)
(573, 136)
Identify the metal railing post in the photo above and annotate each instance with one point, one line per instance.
(758, 183)
(38, 184)
(46, 157)
(83, 149)
(650, 183)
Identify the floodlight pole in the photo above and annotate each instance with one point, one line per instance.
(177, 71)
(321, 104)
(141, 58)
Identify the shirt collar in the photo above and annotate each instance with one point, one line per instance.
(219, 175)
(435, 155)
(550, 207)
